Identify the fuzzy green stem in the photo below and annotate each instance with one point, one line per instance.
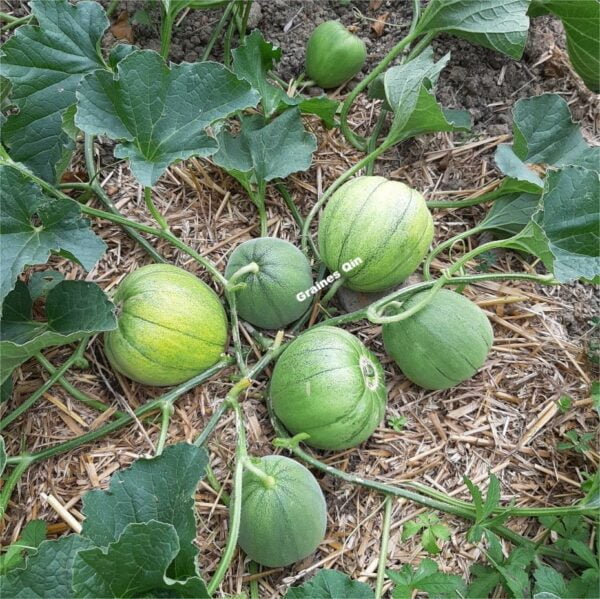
(166, 32)
(167, 409)
(287, 198)
(331, 292)
(227, 43)
(33, 398)
(258, 198)
(420, 46)
(245, 17)
(267, 480)
(443, 246)
(335, 185)
(357, 141)
(106, 201)
(251, 268)
(217, 30)
(216, 485)
(13, 22)
(235, 331)
(254, 590)
(83, 398)
(158, 217)
(372, 141)
(481, 199)
(385, 537)
(11, 483)
(141, 412)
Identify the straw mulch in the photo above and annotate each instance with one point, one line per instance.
(504, 420)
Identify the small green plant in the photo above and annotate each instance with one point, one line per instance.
(398, 423)
(564, 403)
(431, 529)
(577, 441)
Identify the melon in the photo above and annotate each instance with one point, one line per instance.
(374, 232)
(329, 385)
(171, 326)
(284, 521)
(270, 299)
(443, 344)
(334, 54)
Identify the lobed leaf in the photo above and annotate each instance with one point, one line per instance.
(501, 25)
(45, 63)
(33, 226)
(73, 309)
(331, 584)
(159, 113)
(425, 578)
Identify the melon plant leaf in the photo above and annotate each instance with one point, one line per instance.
(32, 226)
(407, 91)
(512, 166)
(511, 213)
(40, 283)
(501, 25)
(73, 309)
(564, 231)
(544, 133)
(581, 20)
(159, 113)
(267, 150)
(331, 584)
(48, 573)
(32, 535)
(160, 488)
(134, 566)
(45, 63)
(427, 578)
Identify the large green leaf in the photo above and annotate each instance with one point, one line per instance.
(48, 573)
(32, 226)
(134, 566)
(267, 150)
(426, 578)
(32, 535)
(581, 20)
(511, 213)
(512, 166)
(331, 584)
(45, 63)
(73, 309)
(501, 25)
(564, 232)
(407, 90)
(545, 134)
(159, 113)
(161, 489)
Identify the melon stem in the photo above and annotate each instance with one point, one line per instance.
(267, 480)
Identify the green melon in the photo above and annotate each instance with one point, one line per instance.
(269, 299)
(329, 385)
(374, 232)
(171, 326)
(443, 344)
(334, 55)
(285, 522)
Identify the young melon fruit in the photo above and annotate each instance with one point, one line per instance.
(443, 344)
(384, 225)
(329, 385)
(334, 55)
(285, 521)
(269, 299)
(171, 326)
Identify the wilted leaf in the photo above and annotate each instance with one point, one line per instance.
(121, 28)
(161, 117)
(501, 25)
(378, 26)
(33, 226)
(331, 584)
(73, 309)
(45, 63)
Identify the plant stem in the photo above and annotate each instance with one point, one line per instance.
(287, 198)
(420, 46)
(227, 43)
(267, 480)
(372, 141)
(259, 200)
(166, 31)
(167, 411)
(254, 591)
(11, 483)
(216, 485)
(217, 30)
(141, 412)
(385, 537)
(111, 8)
(332, 291)
(443, 246)
(481, 199)
(34, 397)
(357, 141)
(95, 186)
(235, 331)
(158, 217)
(251, 268)
(85, 399)
(12, 22)
(245, 16)
(335, 185)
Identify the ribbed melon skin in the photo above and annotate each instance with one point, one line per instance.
(443, 344)
(171, 326)
(269, 299)
(329, 385)
(334, 54)
(285, 523)
(384, 223)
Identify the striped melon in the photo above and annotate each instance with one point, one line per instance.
(284, 521)
(171, 326)
(269, 299)
(383, 225)
(443, 344)
(329, 385)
